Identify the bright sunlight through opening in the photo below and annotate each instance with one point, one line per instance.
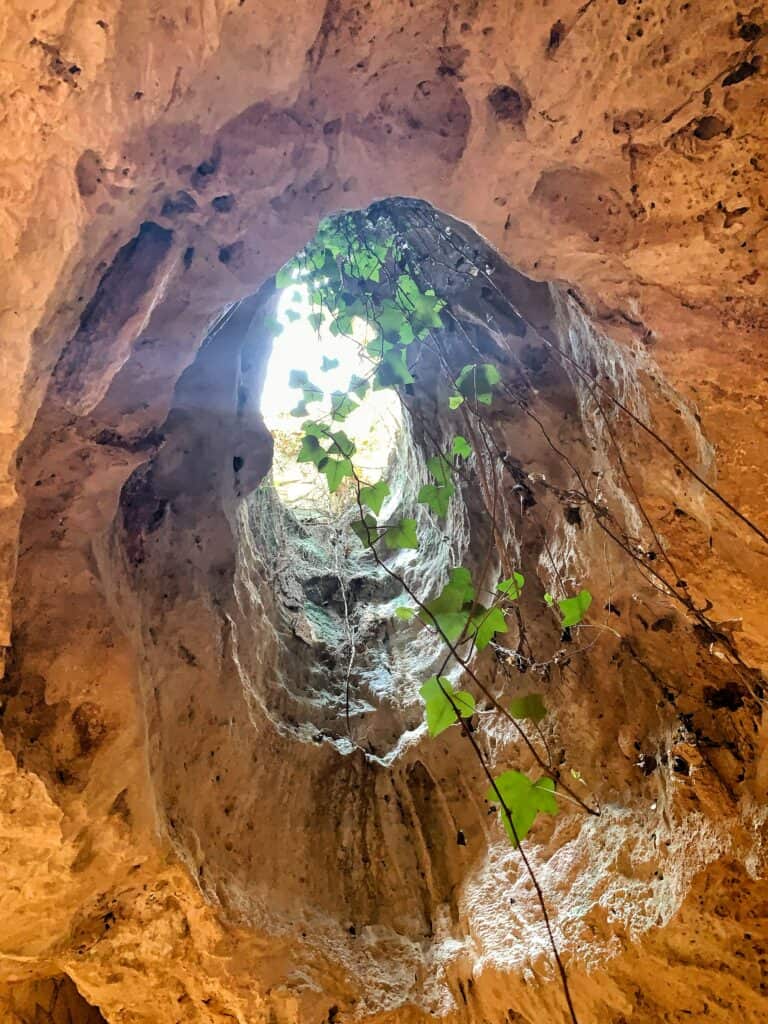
(330, 361)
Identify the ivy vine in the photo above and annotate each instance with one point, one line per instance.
(359, 268)
(364, 266)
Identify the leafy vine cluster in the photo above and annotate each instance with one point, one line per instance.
(359, 269)
(363, 267)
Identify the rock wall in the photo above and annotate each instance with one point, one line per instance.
(162, 846)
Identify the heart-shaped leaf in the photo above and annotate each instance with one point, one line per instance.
(335, 471)
(310, 451)
(436, 497)
(573, 609)
(358, 386)
(341, 406)
(374, 495)
(402, 535)
(524, 799)
(461, 447)
(512, 587)
(444, 706)
(476, 381)
(486, 622)
(449, 611)
(393, 370)
(440, 468)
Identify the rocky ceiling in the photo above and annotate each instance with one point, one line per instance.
(168, 854)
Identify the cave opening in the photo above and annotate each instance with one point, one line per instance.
(408, 320)
(309, 361)
(345, 649)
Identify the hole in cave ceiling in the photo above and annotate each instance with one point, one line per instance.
(332, 596)
(345, 362)
(306, 349)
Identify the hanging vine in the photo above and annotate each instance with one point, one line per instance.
(368, 267)
(358, 269)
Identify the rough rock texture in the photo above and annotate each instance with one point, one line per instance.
(166, 844)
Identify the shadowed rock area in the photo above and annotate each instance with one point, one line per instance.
(193, 829)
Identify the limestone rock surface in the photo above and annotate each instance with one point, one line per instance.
(174, 848)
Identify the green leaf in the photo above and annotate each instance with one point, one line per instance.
(573, 609)
(366, 265)
(524, 799)
(342, 444)
(440, 712)
(341, 325)
(393, 370)
(328, 364)
(292, 315)
(457, 592)
(454, 401)
(315, 255)
(403, 535)
(374, 496)
(312, 394)
(285, 275)
(436, 497)
(310, 450)
(450, 624)
(440, 469)
(486, 622)
(531, 706)
(404, 613)
(300, 409)
(405, 335)
(512, 587)
(449, 611)
(477, 380)
(331, 234)
(393, 323)
(461, 447)
(296, 297)
(366, 529)
(423, 306)
(548, 599)
(341, 406)
(314, 429)
(335, 471)
(359, 386)
(314, 320)
(378, 348)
